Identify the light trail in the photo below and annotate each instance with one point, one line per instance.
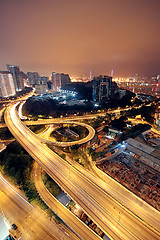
(127, 225)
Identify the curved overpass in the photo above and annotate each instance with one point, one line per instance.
(99, 200)
(88, 138)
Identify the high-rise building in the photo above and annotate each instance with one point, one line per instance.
(7, 87)
(56, 81)
(33, 78)
(59, 80)
(18, 81)
(22, 78)
(43, 80)
(41, 88)
(102, 88)
(65, 79)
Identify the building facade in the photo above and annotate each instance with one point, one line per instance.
(33, 78)
(102, 88)
(7, 87)
(22, 79)
(43, 80)
(41, 88)
(59, 80)
(18, 80)
(157, 118)
(65, 79)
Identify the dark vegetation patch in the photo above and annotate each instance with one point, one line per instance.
(134, 131)
(51, 185)
(48, 106)
(5, 134)
(37, 128)
(17, 164)
(61, 135)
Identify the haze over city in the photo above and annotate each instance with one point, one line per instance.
(79, 119)
(78, 36)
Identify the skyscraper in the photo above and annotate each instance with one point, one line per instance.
(59, 80)
(7, 87)
(102, 88)
(18, 81)
(56, 81)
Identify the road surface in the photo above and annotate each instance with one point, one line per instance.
(67, 216)
(98, 202)
(32, 223)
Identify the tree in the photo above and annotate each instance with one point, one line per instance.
(105, 129)
(119, 123)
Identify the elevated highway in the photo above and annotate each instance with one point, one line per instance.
(68, 217)
(31, 222)
(109, 209)
(89, 137)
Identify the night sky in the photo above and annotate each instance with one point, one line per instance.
(76, 36)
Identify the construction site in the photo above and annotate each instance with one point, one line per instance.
(127, 169)
(77, 210)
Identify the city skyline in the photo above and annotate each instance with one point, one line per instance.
(76, 37)
(79, 119)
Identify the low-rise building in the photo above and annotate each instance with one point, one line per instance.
(145, 152)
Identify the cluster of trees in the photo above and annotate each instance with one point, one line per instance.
(147, 112)
(51, 107)
(5, 134)
(16, 163)
(79, 155)
(119, 123)
(134, 131)
(51, 185)
(62, 136)
(105, 129)
(99, 121)
(34, 106)
(123, 102)
(80, 130)
(37, 128)
(95, 154)
(59, 136)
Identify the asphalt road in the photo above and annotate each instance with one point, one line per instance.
(68, 217)
(107, 212)
(32, 223)
(89, 137)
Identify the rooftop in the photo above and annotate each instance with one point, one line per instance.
(141, 146)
